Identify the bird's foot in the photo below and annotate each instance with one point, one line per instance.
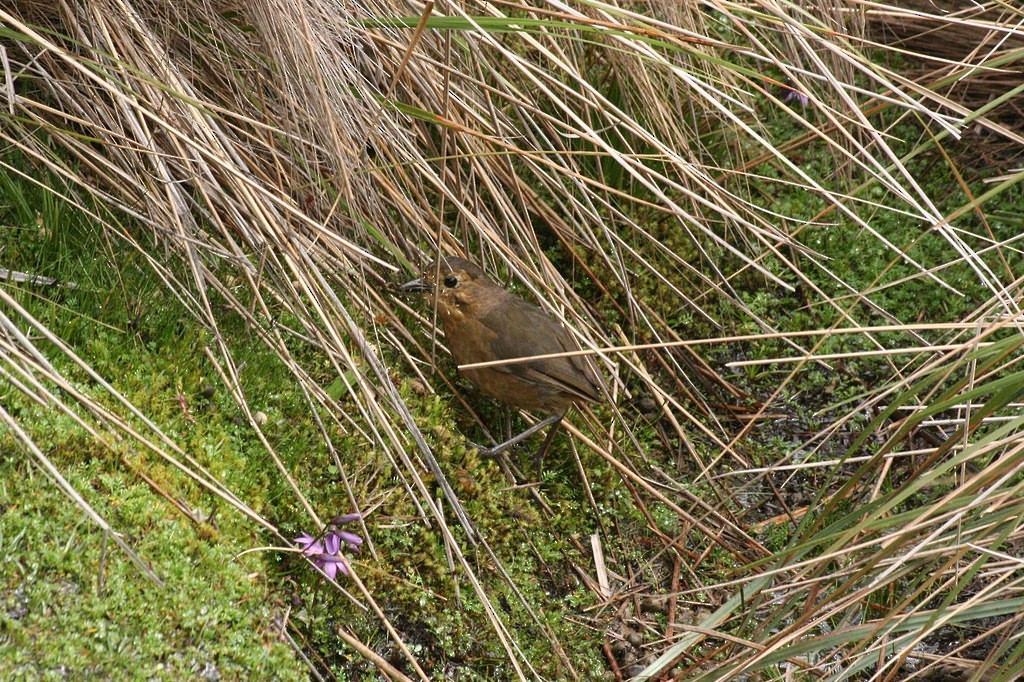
(484, 450)
(538, 458)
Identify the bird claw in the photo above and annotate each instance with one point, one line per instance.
(485, 451)
(538, 458)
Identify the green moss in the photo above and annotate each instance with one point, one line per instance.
(73, 606)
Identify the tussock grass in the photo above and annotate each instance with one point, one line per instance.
(647, 178)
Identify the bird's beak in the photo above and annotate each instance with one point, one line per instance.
(418, 286)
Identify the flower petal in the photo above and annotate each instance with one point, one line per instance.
(346, 518)
(314, 548)
(332, 543)
(351, 539)
(332, 564)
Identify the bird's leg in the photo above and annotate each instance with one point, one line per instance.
(538, 459)
(502, 447)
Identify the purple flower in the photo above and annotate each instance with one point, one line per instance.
(346, 518)
(330, 565)
(308, 542)
(325, 553)
(792, 95)
(350, 539)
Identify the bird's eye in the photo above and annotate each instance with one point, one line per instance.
(451, 281)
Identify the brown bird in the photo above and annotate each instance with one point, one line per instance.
(483, 322)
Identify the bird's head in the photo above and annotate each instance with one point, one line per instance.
(457, 286)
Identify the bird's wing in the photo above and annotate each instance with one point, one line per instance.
(529, 327)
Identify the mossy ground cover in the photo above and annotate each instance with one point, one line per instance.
(73, 605)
